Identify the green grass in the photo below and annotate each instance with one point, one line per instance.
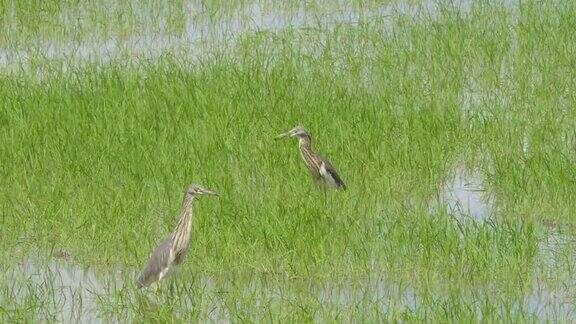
(95, 159)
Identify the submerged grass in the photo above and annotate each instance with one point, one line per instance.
(94, 160)
(27, 23)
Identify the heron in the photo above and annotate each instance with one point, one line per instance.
(172, 251)
(322, 172)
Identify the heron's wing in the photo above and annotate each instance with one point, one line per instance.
(158, 262)
(328, 172)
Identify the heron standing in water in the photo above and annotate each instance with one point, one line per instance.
(322, 172)
(172, 251)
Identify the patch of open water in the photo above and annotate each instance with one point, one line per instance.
(201, 36)
(464, 194)
(76, 294)
(553, 295)
(69, 291)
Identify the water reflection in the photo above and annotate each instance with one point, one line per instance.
(71, 291)
(552, 305)
(202, 33)
(553, 296)
(464, 194)
(77, 294)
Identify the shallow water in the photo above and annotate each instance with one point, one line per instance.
(199, 36)
(464, 194)
(76, 294)
(72, 291)
(553, 295)
(552, 305)
(203, 33)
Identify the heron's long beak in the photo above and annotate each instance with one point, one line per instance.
(208, 192)
(282, 135)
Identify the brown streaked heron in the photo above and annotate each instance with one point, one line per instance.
(320, 168)
(172, 251)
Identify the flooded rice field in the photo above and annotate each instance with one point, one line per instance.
(203, 33)
(66, 292)
(450, 123)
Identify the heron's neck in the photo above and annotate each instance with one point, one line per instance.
(305, 142)
(184, 226)
(187, 203)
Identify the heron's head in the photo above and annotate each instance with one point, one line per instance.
(198, 190)
(298, 132)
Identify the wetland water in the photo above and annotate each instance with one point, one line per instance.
(464, 195)
(201, 34)
(67, 292)
(75, 293)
